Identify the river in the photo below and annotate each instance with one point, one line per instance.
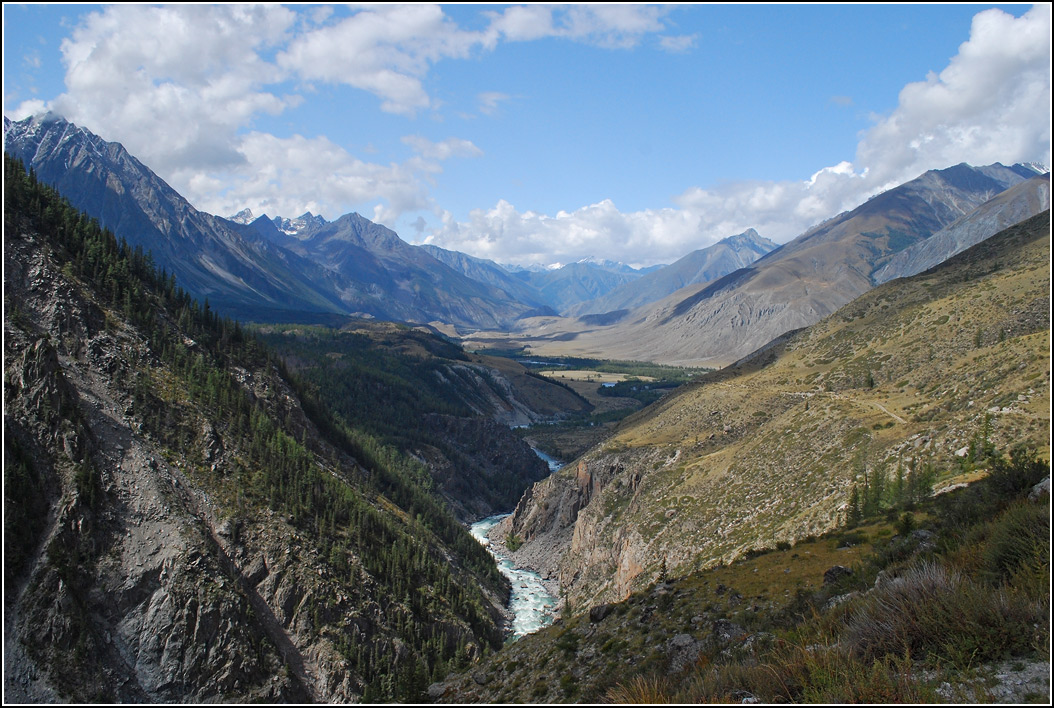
(531, 604)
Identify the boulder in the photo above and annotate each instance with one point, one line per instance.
(598, 613)
(835, 573)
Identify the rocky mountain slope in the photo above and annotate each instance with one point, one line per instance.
(701, 266)
(209, 256)
(914, 373)
(791, 287)
(184, 521)
(1012, 206)
(255, 271)
(490, 273)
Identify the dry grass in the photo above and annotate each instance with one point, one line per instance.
(641, 690)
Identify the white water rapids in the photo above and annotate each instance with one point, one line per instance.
(531, 604)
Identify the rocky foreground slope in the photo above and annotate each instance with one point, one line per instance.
(183, 521)
(917, 373)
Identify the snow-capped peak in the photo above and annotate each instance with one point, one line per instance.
(245, 216)
(294, 227)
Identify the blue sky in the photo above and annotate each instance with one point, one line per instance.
(537, 133)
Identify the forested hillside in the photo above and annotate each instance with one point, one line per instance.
(417, 392)
(184, 520)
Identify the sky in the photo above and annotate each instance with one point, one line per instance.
(543, 134)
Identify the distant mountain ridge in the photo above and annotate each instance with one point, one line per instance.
(789, 288)
(303, 269)
(701, 266)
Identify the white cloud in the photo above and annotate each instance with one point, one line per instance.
(618, 26)
(27, 109)
(173, 84)
(991, 103)
(489, 101)
(678, 43)
(325, 175)
(523, 23)
(181, 86)
(386, 50)
(451, 147)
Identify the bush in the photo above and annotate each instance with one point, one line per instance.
(933, 611)
(1013, 478)
(641, 690)
(815, 674)
(1018, 550)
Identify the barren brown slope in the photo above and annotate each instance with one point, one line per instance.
(767, 450)
(791, 287)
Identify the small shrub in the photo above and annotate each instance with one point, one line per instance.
(568, 685)
(1018, 549)
(931, 610)
(641, 690)
(568, 643)
(513, 542)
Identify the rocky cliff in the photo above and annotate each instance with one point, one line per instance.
(180, 525)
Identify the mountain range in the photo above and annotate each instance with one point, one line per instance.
(257, 270)
(303, 269)
(795, 285)
(911, 373)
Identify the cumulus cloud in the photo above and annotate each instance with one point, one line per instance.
(325, 174)
(181, 86)
(991, 103)
(192, 75)
(386, 50)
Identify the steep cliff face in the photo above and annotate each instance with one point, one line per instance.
(915, 373)
(179, 527)
(120, 593)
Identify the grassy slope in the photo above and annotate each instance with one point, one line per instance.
(954, 611)
(769, 450)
